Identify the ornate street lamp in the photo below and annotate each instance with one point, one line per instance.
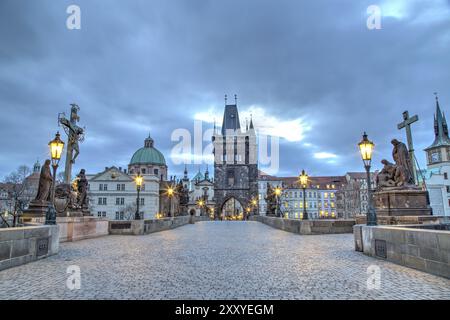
(254, 204)
(278, 192)
(366, 149)
(138, 180)
(304, 182)
(56, 148)
(170, 194)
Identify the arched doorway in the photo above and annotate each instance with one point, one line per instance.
(232, 209)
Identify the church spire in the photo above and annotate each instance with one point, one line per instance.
(185, 173)
(440, 128)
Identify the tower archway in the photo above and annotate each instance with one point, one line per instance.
(231, 209)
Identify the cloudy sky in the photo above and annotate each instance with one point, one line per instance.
(309, 71)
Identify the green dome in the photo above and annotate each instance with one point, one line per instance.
(148, 155)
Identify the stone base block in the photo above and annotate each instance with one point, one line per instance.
(36, 209)
(402, 203)
(80, 228)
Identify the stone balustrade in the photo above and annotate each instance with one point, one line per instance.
(25, 244)
(423, 247)
(308, 227)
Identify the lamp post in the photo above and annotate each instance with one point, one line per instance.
(138, 180)
(277, 195)
(304, 181)
(56, 147)
(255, 206)
(170, 193)
(366, 148)
(201, 204)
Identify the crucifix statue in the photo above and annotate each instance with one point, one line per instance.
(407, 121)
(75, 134)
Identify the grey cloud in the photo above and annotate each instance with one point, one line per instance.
(156, 63)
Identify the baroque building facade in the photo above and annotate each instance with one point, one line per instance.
(113, 194)
(235, 165)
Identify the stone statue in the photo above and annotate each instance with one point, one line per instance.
(386, 177)
(82, 185)
(398, 175)
(400, 154)
(45, 183)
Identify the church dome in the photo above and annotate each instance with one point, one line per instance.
(148, 155)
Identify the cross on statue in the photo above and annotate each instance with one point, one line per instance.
(75, 134)
(407, 121)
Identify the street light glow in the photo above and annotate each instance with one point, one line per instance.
(56, 148)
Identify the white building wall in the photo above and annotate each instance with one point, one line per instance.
(124, 207)
(438, 186)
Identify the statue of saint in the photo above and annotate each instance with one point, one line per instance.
(82, 185)
(401, 157)
(45, 183)
(386, 177)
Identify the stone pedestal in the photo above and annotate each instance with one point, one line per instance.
(36, 209)
(402, 203)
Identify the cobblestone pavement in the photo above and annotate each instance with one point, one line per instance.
(217, 260)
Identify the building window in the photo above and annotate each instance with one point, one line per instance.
(143, 170)
(99, 202)
(117, 201)
(445, 176)
(230, 178)
(155, 171)
(142, 201)
(118, 187)
(117, 215)
(104, 214)
(104, 201)
(448, 189)
(99, 214)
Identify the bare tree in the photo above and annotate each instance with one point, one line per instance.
(19, 191)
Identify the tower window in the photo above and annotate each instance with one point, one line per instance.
(230, 177)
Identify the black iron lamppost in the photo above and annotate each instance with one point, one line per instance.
(366, 148)
(138, 180)
(278, 192)
(56, 148)
(304, 181)
(255, 206)
(170, 194)
(201, 204)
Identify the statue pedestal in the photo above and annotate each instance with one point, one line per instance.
(36, 209)
(402, 203)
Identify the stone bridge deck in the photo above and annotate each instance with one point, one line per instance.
(217, 260)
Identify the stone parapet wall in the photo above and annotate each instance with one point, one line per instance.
(308, 227)
(425, 248)
(25, 244)
(139, 227)
(402, 220)
(80, 228)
